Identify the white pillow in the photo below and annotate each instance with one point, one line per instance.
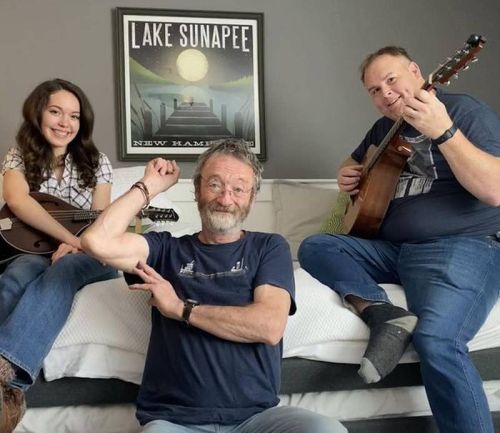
(301, 210)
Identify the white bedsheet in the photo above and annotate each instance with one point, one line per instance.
(107, 332)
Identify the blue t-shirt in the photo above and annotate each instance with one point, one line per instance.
(191, 376)
(429, 201)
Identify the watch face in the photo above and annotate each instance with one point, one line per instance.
(192, 301)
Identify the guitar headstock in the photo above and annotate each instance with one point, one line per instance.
(157, 214)
(458, 62)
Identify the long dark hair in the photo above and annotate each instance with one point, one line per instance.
(36, 151)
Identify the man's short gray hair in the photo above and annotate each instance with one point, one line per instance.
(237, 149)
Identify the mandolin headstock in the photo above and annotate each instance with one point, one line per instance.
(157, 214)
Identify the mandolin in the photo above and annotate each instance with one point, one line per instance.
(383, 164)
(17, 237)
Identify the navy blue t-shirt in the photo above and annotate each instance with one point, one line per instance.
(191, 376)
(429, 202)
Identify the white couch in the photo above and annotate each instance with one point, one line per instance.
(107, 332)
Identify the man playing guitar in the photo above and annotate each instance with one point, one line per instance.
(438, 239)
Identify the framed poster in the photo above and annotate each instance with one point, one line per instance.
(186, 78)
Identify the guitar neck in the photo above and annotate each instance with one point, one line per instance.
(17, 237)
(396, 129)
(77, 215)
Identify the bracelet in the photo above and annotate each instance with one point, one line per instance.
(145, 192)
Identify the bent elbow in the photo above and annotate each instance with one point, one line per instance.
(496, 201)
(274, 340)
(90, 243)
(274, 334)
(492, 199)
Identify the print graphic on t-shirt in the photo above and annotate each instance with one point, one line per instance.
(188, 270)
(420, 170)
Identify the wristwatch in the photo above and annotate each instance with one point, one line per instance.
(446, 135)
(189, 304)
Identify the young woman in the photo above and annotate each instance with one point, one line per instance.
(55, 154)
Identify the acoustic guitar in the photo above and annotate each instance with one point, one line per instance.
(17, 237)
(383, 164)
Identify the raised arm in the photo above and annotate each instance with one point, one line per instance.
(108, 240)
(476, 170)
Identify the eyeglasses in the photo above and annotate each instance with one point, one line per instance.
(217, 187)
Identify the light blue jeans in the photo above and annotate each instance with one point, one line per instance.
(35, 301)
(451, 284)
(283, 419)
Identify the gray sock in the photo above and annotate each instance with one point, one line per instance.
(390, 333)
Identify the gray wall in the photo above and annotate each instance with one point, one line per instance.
(316, 109)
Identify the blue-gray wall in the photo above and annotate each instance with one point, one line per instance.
(316, 109)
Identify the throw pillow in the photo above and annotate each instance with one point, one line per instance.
(334, 224)
(300, 210)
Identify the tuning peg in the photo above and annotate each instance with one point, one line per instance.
(466, 67)
(474, 60)
(446, 83)
(455, 76)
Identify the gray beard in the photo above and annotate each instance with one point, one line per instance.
(221, 222)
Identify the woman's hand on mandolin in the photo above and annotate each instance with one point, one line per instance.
(62, 250)
(348, 178)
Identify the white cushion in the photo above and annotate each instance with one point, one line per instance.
(114, 342)
(301, 210)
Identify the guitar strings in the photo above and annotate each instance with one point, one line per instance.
(82, 215)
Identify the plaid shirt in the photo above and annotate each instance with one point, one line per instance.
(67, 188)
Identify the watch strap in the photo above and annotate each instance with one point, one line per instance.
(446, 135)
(189, 304)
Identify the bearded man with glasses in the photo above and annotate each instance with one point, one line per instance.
(220, 298)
